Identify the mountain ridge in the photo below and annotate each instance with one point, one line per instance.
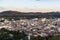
(29, 14)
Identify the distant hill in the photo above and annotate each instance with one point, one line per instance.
(30, 14)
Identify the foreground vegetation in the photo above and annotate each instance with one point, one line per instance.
(11, 35)
(16, 35)
(57, 37)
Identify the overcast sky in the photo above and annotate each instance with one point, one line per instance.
(31, 5)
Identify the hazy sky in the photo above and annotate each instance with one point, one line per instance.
(30, 5)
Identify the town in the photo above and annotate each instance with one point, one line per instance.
(34, 26)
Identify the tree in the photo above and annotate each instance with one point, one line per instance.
(11, 35)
